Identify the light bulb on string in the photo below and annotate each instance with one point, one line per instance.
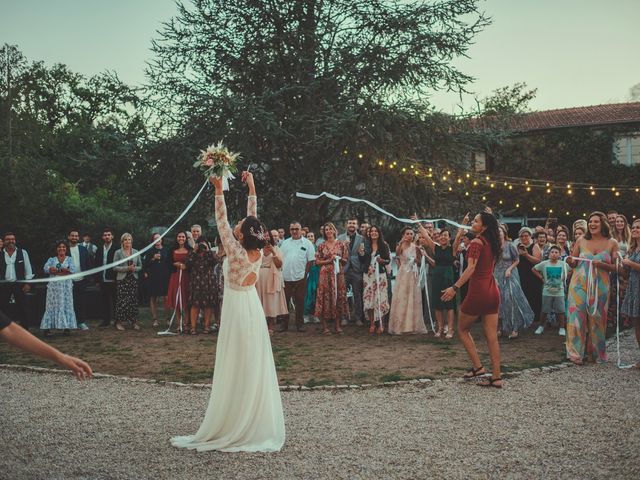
(517, 205)
(475, 183)
(551, 210)
(548, 190)
(534, 208)
(510, 187)
(617, 194)
(360, 156)
(593, 192)
(569, 192)
(404, 169)
(380, 162)
(528, 189)
(493, 185)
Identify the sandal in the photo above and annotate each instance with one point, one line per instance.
(194, 332)
(513, 335)
(372, 329)
(438, 334)
(491, 382)
(474, 372)
(449, 335)
(155, 323)
(326, 331)
(339, 331)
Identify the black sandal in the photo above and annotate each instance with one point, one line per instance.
(491, 383)
(474, 372)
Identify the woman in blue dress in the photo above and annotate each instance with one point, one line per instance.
(515, 313)
(59, 314)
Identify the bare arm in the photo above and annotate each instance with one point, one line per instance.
(22, 339)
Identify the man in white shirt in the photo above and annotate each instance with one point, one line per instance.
(14, 265)
(80, 257)
(298, 255)
(91, 248)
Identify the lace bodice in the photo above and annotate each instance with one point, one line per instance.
(238, 265)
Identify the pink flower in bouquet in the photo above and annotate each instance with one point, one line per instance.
(208, 162)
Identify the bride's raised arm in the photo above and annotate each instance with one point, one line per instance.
(231, 246)
(252, 199)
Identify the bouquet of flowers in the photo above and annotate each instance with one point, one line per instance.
(218, 161)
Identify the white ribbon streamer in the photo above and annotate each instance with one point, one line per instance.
(424, 275)
(336, 271)
(619, 362)
(378, 309)
(93, 271)
(331, 196)
(178, 302)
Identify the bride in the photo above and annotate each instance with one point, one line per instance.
(245, 409)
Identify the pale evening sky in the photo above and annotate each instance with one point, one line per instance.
(575, 52)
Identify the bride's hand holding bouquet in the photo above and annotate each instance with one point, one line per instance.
(218, 161)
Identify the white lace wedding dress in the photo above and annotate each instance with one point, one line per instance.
(245, 409)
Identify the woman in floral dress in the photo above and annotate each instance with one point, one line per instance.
(631, 306)
(202, 295)
(374, 259)
(59, 312)
(331, 298)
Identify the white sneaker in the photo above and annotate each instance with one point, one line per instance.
(359, 323)
(316, 320)
(83, 326)
(539, 330)
(562, 332)
(343, 323)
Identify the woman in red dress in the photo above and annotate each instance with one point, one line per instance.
(178, 291)
(483, 297)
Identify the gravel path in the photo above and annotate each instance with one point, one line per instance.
(568, 423)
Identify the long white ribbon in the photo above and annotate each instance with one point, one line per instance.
(619, 362)
(378, 309)
(336, 271)
(424, 275)
(93, 271)
(331, 196)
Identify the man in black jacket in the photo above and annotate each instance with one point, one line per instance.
(80, 256)
(107, 279)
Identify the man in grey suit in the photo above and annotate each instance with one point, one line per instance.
(353, 270)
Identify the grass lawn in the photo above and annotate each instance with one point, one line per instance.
(306, 358)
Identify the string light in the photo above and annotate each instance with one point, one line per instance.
(360, 156)
(569, 191)
(381, 162)
(528, 189)
(404, 169)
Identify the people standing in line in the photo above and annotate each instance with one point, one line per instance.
(405, 315)
(331, 300)
(91, 248)
(553, 273)
(586, 323)
(178, 291)
(618, 283)
(530, 255)
(515, 313)
(312, 287)
(81, 262)
(353, 269)
(127, 284)
(59, 313)
(156, 276)
(364, 230)
(298, 254)
(375, 256)
(200, 264)
(630, 308)
(281, 236)
(15, 266)
(442, 277)
(483, 297)
(270, 284)
(107, 278)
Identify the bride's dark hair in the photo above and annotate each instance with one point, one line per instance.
(254, 234)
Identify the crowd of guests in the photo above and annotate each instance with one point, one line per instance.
(353, 277)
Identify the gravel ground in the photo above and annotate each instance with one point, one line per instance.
(577, 422)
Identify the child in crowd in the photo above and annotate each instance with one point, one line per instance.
(553, 273)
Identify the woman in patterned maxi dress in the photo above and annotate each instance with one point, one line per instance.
(631, 306)
(59, 312)
(589, 291)
(331, 296)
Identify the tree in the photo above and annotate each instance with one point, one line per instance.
(304, 89)
(509, 101)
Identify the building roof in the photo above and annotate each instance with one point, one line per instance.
(595, 115)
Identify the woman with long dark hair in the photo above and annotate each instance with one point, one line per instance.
(156, 275)
(593, 258)
(245, 410)
(178, 291)
(374, 259)
(483, 297)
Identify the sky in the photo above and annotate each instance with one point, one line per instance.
(575, 52)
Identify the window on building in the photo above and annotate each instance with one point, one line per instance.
(627, 150)
(481, 162)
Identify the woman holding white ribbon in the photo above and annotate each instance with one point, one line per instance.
(406, 302)
(331, 297)
(178, 290)
(443, 274)
(593, 257)
(270, 285)
(245, 408)
(630, 308)
(374, 260)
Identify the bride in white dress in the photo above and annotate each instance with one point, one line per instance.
(245, 409)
